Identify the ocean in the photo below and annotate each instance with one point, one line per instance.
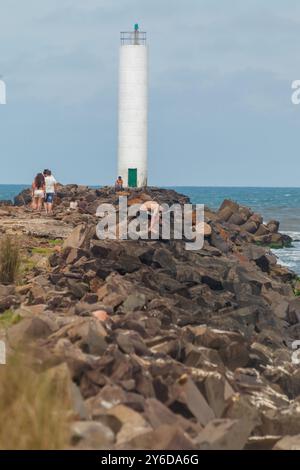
(9, 191)
(281, 204)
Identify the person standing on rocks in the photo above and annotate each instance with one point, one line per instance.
(50, 188)
(38, 191)
(119, 184)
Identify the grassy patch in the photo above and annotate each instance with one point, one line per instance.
(56, 242)
(34, 409)
(42, 250)
(9, 318)
(27, 265)
(296, 286)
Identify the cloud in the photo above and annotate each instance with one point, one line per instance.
(218, 73)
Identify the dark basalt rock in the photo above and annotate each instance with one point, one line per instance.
(24, 198)
(6, 203)
(169, 348)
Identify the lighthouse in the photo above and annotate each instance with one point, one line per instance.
(133, 108)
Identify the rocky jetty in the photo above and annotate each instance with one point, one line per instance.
(163, 348)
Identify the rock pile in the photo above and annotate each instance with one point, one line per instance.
(167, 348)
(232, 219)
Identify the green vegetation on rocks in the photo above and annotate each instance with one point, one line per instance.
(275, 246)
(41, 250)
(296, 286)
(56, 242)
(9, 318)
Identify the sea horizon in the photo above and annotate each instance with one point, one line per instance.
(166, 186)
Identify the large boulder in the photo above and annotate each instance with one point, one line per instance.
(294, 311)
(165, 438)
(231, 346)
(77, 238)
(223, 434)
(30, 329)
(273, 226)
(91, 435)
(288, 443)
(24, 198)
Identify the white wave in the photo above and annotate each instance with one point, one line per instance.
(294, 235)
(290, 257)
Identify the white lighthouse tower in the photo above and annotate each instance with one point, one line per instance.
(133, 109)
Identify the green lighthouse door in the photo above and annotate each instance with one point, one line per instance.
(132, 177)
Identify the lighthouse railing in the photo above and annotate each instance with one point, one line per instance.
(133, 38)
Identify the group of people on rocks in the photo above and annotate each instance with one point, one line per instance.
(43, 191)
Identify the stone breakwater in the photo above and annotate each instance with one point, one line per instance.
(162, 348)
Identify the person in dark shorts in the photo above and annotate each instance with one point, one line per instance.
(50, 190)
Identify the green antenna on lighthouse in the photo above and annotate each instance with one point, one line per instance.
(136, 34)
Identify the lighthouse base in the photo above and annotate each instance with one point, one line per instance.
(133, 177)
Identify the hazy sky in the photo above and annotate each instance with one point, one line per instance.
(220, 90)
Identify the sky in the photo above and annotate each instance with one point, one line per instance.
(220, 109)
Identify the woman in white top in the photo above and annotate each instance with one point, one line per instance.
(50, 188)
